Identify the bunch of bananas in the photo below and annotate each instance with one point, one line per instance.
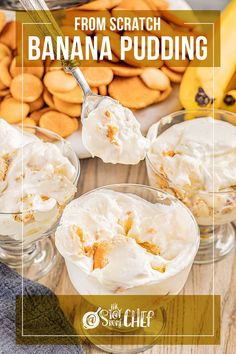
(203, 86)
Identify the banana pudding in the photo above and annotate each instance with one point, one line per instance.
(112, 133)
(36, 182)
(115, 242)
(196, 161)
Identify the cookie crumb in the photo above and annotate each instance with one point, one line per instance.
(161, 268)
(79, 232)
(111, 132)
(3, 169)
(128, 223)
(151, 248)
(108, 114)
(44, 197)
(170, 153)
(99, 256)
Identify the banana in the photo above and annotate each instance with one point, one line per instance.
(203, 86)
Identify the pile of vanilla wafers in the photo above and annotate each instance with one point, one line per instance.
(48, 97)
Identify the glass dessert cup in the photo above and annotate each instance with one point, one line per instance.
(88, 286)
(27, 243)
(214, 211)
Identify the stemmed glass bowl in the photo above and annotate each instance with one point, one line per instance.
(90, 288)
(26, 238)
(214, 211)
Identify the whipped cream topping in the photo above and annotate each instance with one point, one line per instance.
(123, 241)
(198, 154)
(11, 138)
(112, 133)
(36, 181)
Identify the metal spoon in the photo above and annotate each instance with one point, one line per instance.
(46, 23)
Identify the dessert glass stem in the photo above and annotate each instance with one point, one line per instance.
(13, 256)
(216, 242)
(79, 77)
(36, 259)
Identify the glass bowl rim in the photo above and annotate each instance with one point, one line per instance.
(59, 138)
(175, 114)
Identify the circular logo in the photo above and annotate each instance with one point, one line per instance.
(91, 319)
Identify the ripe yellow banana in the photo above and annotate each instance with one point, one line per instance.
(199, 87)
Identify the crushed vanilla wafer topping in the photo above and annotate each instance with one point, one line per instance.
(3, 169)
(170, 153)
(100, 255)
(108, 114)
(80, 233)
(161, 268)
(111, 133)
(154, 249)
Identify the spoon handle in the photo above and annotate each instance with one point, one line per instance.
(79, 77)
(46, 23)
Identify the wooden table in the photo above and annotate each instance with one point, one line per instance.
(95, 173)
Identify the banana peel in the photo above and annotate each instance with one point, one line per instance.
(201, 87)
